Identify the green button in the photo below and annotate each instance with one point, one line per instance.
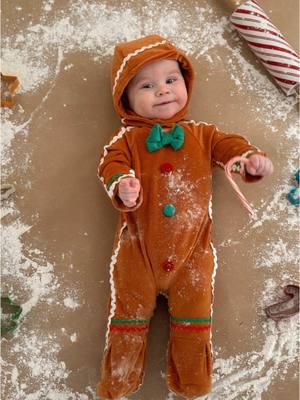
(169, 210)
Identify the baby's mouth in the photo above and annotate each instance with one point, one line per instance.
(163, 103)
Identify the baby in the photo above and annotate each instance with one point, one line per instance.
(157, 171)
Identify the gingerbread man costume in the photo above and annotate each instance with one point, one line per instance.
(163, 243)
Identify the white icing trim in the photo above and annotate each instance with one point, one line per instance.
(237, 167)
(250, 144)
(118, 136)
(210, 208)
(247, 153)
(113, 305)
(110, 192)
(129, 56)
(215, 257)
(219, 163)
(191, 121)
(214, 272)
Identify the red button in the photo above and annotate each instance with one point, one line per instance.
(166, 168)
(169, 265)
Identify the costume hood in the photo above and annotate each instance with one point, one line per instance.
(128, 60)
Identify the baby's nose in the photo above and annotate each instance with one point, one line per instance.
(162, 89)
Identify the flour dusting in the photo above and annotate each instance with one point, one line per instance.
(250, 374)
(71, 303)
(32, 368)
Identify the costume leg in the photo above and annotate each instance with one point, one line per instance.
(189, 355)
(133, 297)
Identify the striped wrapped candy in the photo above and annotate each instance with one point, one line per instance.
(268, 44)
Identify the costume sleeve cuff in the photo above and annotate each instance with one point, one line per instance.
(115, 179)
(112, 191)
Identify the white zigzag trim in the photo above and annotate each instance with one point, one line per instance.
(127, 58)
(210, 208)
(215, 257)
(220, 163)
(113, 185)
(237, 167)
(191, 121)
(113, 305)
(118, 136)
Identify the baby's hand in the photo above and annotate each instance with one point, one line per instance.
(128, 191)
(259, 165)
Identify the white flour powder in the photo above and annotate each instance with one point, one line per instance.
(93, 28)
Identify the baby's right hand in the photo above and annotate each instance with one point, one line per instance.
(128, 191)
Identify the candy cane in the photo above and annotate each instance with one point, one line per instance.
(268, 44)
(228, 167)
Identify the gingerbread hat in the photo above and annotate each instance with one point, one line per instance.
(128, 60)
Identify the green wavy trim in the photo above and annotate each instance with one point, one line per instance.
(129, 321)
(193, 320)
(112, 179)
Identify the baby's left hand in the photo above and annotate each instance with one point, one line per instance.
(259, 165)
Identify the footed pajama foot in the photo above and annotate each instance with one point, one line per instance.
(123, 365)
(189, 360)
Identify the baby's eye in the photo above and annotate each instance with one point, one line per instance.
(171, 80)
(147, 85)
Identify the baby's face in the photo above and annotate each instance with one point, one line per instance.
(158, 90)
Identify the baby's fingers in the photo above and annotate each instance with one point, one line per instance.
(132, 183)
(129, 203)
(252, 165)
(129, 200)
(128, 196)
(268, 169)
(128, 191)
(259, 165)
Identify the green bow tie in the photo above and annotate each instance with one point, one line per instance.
(157, 139)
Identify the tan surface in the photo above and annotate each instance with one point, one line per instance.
(53, 165)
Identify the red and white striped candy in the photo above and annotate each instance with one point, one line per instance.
(266, 41)
(228, 167)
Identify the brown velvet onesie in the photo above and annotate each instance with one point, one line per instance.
(163, 244)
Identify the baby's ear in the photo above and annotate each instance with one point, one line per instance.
(125, 100)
